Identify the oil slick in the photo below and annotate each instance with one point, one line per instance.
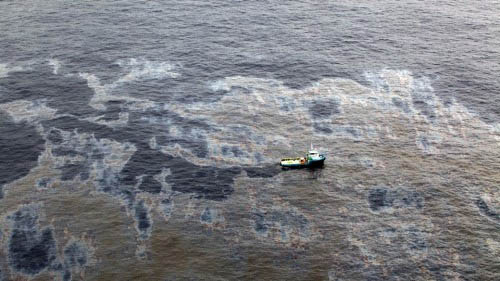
(180, 174)
(33, 248)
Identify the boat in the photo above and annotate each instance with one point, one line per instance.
(311, 160)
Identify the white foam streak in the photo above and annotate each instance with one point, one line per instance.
(28, 111)
(138, 69)
(56, 65)
(5, 69)
(102, 95)
(143, 69)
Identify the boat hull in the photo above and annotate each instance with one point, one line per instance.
(316, 163)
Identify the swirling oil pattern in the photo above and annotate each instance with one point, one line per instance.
(140, 140)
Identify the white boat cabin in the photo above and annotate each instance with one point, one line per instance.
(313, 154)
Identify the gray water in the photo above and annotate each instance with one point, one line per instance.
(140, 140)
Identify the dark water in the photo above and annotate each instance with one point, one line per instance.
(139, 140)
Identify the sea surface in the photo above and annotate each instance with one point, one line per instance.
(140, 140)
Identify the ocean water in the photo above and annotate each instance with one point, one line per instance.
(139, 140)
